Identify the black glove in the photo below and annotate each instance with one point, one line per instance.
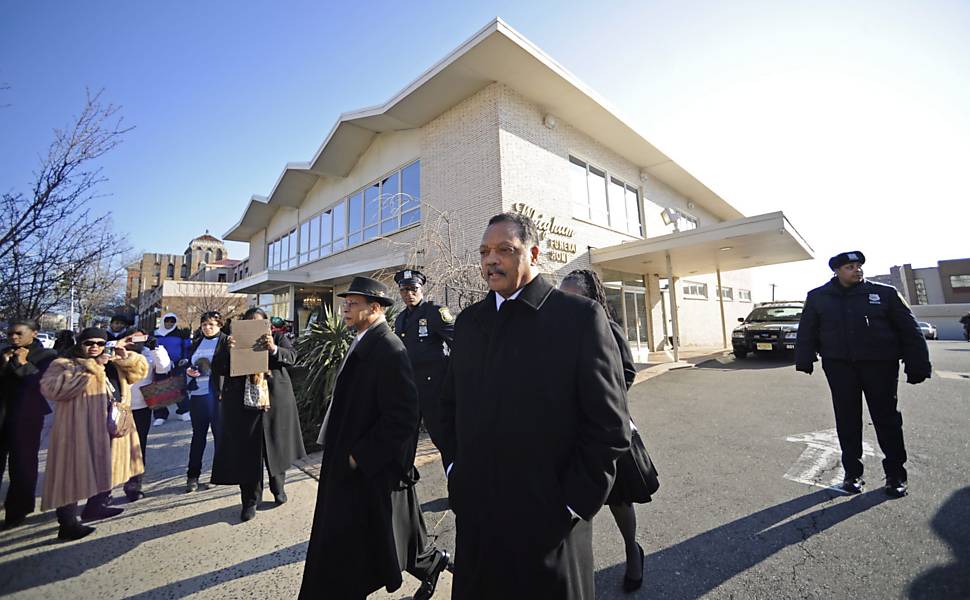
(152, 343)
(915, 378)
(805, 368)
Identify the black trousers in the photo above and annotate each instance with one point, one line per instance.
(143, 422)
(415, 554)
(19, 447)
(252, 493)
(877, 379)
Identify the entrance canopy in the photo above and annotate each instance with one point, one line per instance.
(727, 246)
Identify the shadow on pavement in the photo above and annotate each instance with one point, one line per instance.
(65, 561)
(731, 363)
(699, 564)
(436, 505)
(957, 349)
(952, 525)
(183, 587)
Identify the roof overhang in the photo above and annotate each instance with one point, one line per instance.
(495, 54)
(270, 280)
(266, 281)
(727, 246)
(255, 217)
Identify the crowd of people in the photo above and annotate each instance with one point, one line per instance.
(524, 394)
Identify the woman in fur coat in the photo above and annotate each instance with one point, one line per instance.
(82, 460)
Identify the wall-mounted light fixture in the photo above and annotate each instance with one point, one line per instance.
(550, 121)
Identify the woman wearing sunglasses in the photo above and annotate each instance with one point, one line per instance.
(83, 461)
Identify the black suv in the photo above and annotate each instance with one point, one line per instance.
(771, 327)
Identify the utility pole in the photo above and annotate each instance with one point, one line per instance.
(773, 286)
(71, 320)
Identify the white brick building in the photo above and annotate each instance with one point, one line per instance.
(495, 126)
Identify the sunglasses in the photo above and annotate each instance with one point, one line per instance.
(90, 343)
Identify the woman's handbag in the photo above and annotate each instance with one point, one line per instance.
(120, 420)
(164, 392)
(256, 394)
(637, 472)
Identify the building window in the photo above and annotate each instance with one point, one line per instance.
(604, 200)
(693, 289)
(218, 254)
(383, 207)
(185, 272)
(727, 294)
(744, 295)
(171, 271)
(921, 292)
(222, 277)
(960, 282)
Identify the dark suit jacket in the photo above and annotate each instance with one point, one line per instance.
(20, 396)
(374, 413)
(534, 418)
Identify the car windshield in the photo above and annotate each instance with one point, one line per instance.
(775, 313)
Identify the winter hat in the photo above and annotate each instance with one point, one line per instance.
(91, 333)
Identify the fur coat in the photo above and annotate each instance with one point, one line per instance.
(82, 460)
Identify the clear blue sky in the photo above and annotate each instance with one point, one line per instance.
(851, 119)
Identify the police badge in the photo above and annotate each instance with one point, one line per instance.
(423, 328)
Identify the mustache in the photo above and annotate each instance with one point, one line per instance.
(494, 271)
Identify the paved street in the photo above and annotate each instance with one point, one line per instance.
(727, 523)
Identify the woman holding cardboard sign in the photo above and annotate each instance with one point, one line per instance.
(260, 423)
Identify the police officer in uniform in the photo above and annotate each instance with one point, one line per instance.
(427, 331)
(862, 329)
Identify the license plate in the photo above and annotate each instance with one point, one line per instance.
(764, 346)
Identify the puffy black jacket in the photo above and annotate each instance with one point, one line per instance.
(868, 321)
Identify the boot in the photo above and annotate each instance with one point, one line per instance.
(97, 508)
(133, 489)
(70, 526)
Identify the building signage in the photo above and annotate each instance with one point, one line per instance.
(557, 249)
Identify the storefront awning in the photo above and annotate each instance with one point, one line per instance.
(327, 272)
(266, 281)
(727, 246)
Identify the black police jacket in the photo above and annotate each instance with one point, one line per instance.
(868, 321)
(423, 329)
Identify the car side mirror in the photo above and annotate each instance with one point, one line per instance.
(740, 319)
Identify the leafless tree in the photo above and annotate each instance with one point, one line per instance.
(100, 291)
(49, 238)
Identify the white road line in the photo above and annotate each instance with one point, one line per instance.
(819, 464)
(952, 375)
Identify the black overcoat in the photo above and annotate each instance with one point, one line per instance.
(247, 433)
(373, 415)
(534, 420)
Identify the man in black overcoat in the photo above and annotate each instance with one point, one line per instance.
(534, 418)
(862, 329)
(428, 332)
(371, 419)
(22, 364)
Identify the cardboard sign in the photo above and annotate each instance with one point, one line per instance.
(244, 359)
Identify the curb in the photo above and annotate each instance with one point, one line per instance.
(690, 363)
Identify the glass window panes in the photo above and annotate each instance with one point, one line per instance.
(617, 204)
(727, 293)
(355, 214)
(372, 204)
(960, 281)
(579, 193)
(692, 289)
(390, 198)
(744, 295)
(598, 210)
(410, 188)
(633, 211)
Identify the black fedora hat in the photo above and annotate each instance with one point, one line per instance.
(371, 288)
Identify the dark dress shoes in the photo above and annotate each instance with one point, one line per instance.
(73, 531)
(631, 585)
(895, 487)
(280, 498)
(191, 485)
(97, 512)
(431, 581)
(12, 520)
(248, 513)
(853, 485)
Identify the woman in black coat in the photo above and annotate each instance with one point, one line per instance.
(251, 437)
(625, 488)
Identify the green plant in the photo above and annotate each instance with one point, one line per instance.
(321, 349)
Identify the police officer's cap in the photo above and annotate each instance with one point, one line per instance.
(409, 277)
(371, 288)
(845, 258)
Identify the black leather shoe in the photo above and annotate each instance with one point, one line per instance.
(248, 513)
(631, 585)
(98, 512)
(431, 581)
(74, 531)
(280, 498)
(191, 485)
(853, 485)
(12, 520)
(895, 487)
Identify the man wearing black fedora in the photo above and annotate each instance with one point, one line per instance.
(367, 526)
(862, 329)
